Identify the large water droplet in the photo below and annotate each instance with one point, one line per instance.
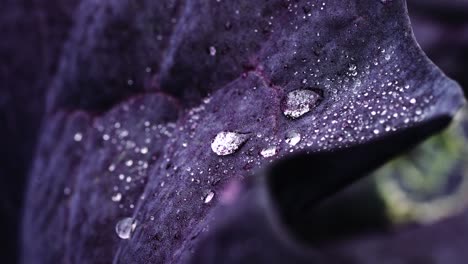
(292, 138)
(125, 227)
(299, 102)
(268, 152)
(226, 142)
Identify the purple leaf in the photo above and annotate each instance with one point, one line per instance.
(32, 35)
(227, 88)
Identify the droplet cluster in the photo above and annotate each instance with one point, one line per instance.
(318, 107)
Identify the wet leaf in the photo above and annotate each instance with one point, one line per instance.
(346, 76)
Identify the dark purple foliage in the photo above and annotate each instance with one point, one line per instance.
(142, 89)
(32, 35)
(441, 28)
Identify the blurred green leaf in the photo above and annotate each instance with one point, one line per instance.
(430, 182)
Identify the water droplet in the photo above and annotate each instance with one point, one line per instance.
(117, 197)
(144, 150)
(268, 152)
(412, 101)
(209, 197)
(78, 137)
(299, 102)
(125, 227)
(226, 142)
(212, 51)
(227, 25)
(292, 138)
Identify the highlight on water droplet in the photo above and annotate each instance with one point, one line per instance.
(209, 197)
(268, 151)
(292, 138)
(125, 227)
(299, 102)
(227, 142)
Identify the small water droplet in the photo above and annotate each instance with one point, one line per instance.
(226, 142)
(292, 138)
(227, 25)
(117, 197)
(144, 150)
(209, 197)
(212, 51)
(78, 137)
(299, 102)
(412, 101)
(125, 227)
(268, 152)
